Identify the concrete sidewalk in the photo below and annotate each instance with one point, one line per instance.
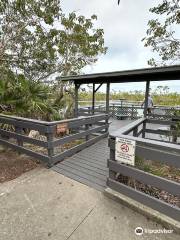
(43, 204)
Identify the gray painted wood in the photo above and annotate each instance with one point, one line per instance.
(146, 99)
(76, 101)
(145, 177)
(88, 166)
(91, 164)
(157, 204)
(78, 178)
(93, 99)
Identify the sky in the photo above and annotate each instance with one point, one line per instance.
(124, 27)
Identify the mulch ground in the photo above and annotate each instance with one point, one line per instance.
(155, 168)
(12, 165)
(149, 190)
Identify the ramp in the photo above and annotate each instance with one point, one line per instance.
(89, 166)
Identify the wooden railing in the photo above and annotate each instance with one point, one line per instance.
(51, 142)
(146, 149)
(129, 111)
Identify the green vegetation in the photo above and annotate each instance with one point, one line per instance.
(37, 39)
(161, 96)
(38, 42)
(25, 98)
(161, 34)
(157, 168)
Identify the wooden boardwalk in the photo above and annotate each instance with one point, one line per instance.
(90, 165)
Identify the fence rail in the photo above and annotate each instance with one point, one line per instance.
(14, 133)
(166, 153)
(128, 111)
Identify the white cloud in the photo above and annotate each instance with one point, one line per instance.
(124, 26)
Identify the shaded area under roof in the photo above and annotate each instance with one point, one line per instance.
(137, 75)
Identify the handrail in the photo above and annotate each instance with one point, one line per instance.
(49, 123)
(129, 128)
(135, 103)
(52, 135)
(145, 149)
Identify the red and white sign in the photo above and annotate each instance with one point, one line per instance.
(125, 151)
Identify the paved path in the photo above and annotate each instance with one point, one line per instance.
(45, 205)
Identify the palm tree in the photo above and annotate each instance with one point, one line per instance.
(25, 98)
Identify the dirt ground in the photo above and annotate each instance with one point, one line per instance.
(12, 165)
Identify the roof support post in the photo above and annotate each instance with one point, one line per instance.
(107, 97)
(146, 98)
(145, 107)
(93, 98)
(107, 101)
(76, 100)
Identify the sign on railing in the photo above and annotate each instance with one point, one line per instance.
(52, 141)
(129, 180)
(125, 151)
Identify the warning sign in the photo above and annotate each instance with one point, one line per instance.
(125, 151)
(62, 128)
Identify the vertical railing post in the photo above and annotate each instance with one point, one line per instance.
(50, 148)
(89, 110)
(19, 130)
(76, 100)
(112, 174)
(132, 111)
(121, 111)
(121, 103)
(93, 99)
(113, 111)
(87, 128)
(135, 131)
(144, 129)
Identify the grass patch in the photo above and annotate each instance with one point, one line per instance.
(157, 168)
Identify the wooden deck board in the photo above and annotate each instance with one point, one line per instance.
(88, 166)
(85, 167)
(79, 179)
(86, 175)
(91, 164)
(83, 170)
(90, 159)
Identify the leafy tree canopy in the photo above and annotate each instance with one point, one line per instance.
(38, 40)
(162, 35)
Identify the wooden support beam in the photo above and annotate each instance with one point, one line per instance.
(93, 98)
(107, 100)
(145, 107)
(107, 97)
(98, 87)
(76, 100)
(146, 98)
